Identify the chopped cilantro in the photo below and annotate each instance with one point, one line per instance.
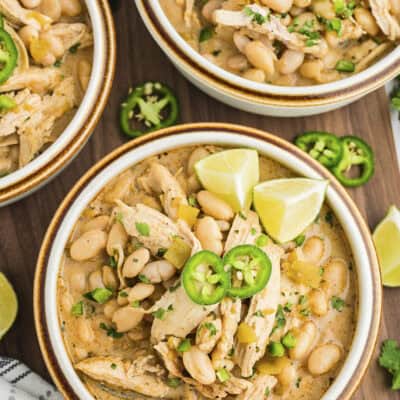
(173, 382)
(111, 332)
(143, 278)
(74, 49)
(142, 228)
(337, 303)
(206, 34)
(184, 346)
(300, 240)
(211, 327)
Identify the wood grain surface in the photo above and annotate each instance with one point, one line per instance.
(22, 225)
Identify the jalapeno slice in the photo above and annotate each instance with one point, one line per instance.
(8, 56)
(356, 153)
(250, 270)
(322, 146)
(205, 279)
(152, 105)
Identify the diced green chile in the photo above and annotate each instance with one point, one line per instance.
(254, 266)
(152, 105)
(8, 56)
(324, 147)
(355, 153)
(205, 279)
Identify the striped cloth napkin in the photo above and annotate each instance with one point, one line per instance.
(18, 382)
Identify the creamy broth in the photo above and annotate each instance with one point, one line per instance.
(288, 43)
(55, 54)
(107, 351)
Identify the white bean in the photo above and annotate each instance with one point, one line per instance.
(237, 62)
(324, 358)
(214, 206)
(290, 61)
(27, 34)
(318, 302)
(126, 318)
(95, 280)
(366, 20)
(77, 281)
(109, 278)
(31, 3)
(51, 8)
(335, 277)
(84, 72)
(140, 292)
(89, 245)
(194, 157)
(84, 330)
(117, 237)
(158, 271)
(254, 74)
(281, 6)
(207, 231)
(313, 249)
(135, 262)
(240, 41)
(71, 8)
(208, 333)
(209, 8)
(199, 366)
(109, 308)
(100, 223)
(261, 56)
(305, 336)
(287, 377)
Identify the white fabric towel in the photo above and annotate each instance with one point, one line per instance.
(18, 382)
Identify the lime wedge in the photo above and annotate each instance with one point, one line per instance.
(8, 305)
(387, 243)
(231, 175)
(288, 206)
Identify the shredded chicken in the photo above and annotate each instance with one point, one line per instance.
(265, 302)
(388, 23)
(160, 181)
(262, 384)
(125, 375)
(18, 16)
(273, 28)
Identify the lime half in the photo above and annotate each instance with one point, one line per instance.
(387, 243)
(8, 305)
(231, 175)
(288, 206)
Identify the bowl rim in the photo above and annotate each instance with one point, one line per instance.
(281, 145)
(203, 70)
(48, 164)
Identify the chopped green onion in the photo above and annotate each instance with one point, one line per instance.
(345, 66)
(184, 346)
(99, 295)
(77, 309)
(289, 341)
(276, 349)
(223, 375)
(142, 228)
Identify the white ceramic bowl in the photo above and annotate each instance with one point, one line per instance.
(47, 165)
(260, 98)
(366, 265)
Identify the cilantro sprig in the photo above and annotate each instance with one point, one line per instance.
(390, 360)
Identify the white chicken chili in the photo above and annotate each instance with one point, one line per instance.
(259, 318)
(291, 42)
(53, 45)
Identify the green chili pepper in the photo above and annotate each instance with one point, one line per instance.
(151, 104)
(6, 103)
(322, 146)
(252, 265)
(355, 153)
(8, 56)
(205, 279)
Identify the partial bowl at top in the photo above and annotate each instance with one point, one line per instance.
(112, 315)
(55, 79)
(281, 58)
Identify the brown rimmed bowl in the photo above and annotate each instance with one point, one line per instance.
(262, 98)
(356, 231)
(47, 165)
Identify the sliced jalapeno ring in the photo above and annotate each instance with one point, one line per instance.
(356, 153)
(8, 56)
(322, 146)
(205, 279)
(152, 105)
(250, 270)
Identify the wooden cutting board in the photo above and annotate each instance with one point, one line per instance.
(23, 224)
